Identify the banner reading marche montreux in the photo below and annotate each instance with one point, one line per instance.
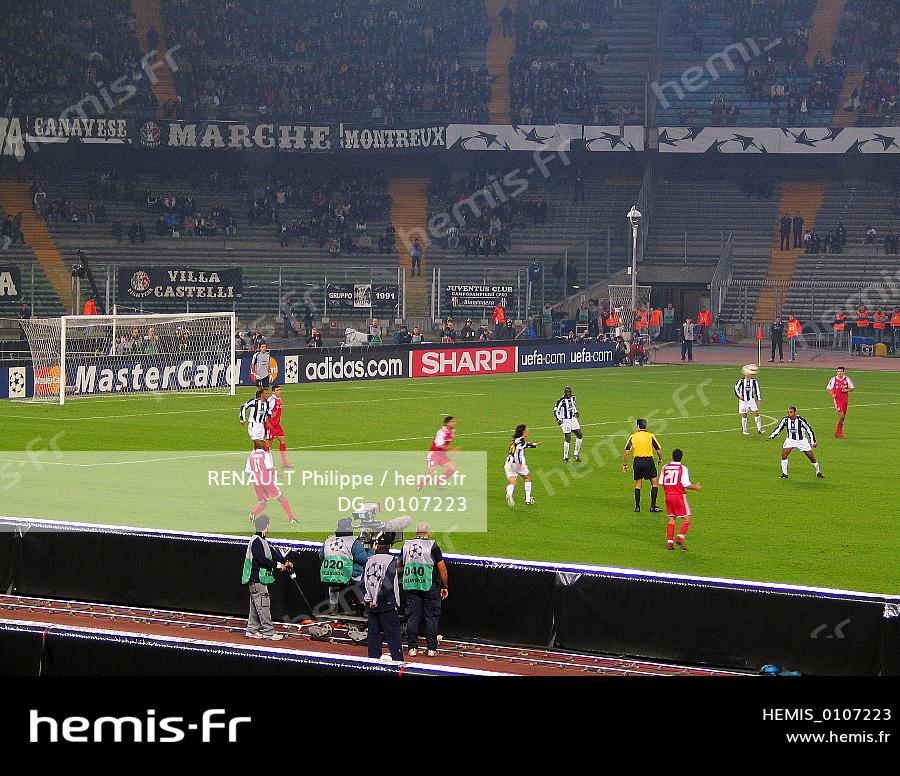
(144, 284)
(231, 135)
(213, 491)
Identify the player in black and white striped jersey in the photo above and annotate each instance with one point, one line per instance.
(255, 413)
(567, 417)
(799, 435)
(747, 391)
(516, 466)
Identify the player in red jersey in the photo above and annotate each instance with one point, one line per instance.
(437, 455)
(840, 387)
(261, 469)
(676, 480)
(273, 425)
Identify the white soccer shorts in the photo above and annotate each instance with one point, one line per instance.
(568, 426)
(802, 445)
(257, 431)
(515, 470)
(747, 406)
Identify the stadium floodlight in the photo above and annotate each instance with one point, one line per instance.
(634, 218)
(102, 355)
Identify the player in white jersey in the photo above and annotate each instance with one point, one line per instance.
(516, 466)
(749, 397)
(255, 413)
(566, 414)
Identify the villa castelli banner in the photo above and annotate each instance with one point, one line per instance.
(149, 283)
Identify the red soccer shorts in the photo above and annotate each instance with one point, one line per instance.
(275, 431)
(841, 403)
(265, 492)
(438, 458)
(676, 505)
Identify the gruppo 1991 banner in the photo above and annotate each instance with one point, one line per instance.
(362, 296)
(148, 283)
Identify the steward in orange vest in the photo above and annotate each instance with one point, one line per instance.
(640, 320)
(879, 323)
(840, 321)
(862, 318)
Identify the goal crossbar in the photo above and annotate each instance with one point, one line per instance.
(79, 355)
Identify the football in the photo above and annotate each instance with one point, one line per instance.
(750, 369)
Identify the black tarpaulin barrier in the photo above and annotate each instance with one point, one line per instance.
(683, 621)
(890, 640)
(20, 651)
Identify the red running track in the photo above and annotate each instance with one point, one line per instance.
(217, 630)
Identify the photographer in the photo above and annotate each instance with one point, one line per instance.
(381, 580)
(260, 563)
(343, 559)
(425, 589)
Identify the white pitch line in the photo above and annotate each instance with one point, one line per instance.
(406, 397)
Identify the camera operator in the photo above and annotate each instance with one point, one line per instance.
(343, 559)
(260, 563)
(424, 588)
(381, 580)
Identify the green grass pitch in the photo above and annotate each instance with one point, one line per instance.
(838, 532)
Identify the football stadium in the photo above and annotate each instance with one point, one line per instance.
(450, 337)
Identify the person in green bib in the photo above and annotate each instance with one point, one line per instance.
(424, 588)
(261, 561)
(343, 559)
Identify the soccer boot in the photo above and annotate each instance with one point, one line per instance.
(566, 459)
(577, 458)
(529, 501)
(681, 545)
(670, 545)
(820, 475)
(784, 476)
(511, 501)
(655, 509)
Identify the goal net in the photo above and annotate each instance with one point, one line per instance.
(96, 355)
(620, 300)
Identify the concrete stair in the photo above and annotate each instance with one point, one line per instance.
(826, 19)
(149, 16)
(805, 196)
(843, 118)
(497, 55)
(409, 216)
(16, 197)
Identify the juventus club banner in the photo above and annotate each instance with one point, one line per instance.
(10, 284)
(149, 283)
(779, 140)
(362, 296)
(477, 296)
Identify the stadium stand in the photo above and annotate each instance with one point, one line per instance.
(759, 67)
(57, 56)
(578, 60)
(332, 62)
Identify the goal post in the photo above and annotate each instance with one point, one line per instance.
(620, 300)
(96, 355)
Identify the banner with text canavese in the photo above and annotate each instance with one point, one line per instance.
(565, 356)
(467, 361)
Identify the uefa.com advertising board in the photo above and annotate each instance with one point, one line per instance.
(311, 366)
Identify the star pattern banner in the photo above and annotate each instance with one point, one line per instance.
(617, 138)
(779, 140)
(514, 137)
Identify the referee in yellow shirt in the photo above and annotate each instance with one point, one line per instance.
(644, 445)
